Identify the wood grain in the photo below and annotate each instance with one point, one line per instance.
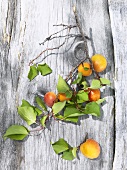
(23, 25)
(118, 13)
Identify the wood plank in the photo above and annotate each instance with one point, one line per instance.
(118, 13)
(24, 24)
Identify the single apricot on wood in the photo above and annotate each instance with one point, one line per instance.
(62, 97)
(90, 149)
(85, 69)
(94, 95)
(49, 98)
(99, 62)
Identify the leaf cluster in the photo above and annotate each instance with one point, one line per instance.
(44, 69)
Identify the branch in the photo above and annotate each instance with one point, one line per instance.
(50, 37)
(73, 70)
(50, 49)
(81, 31)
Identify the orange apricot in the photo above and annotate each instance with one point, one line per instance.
(62, 97)
(49, 98)
(94, 95)
(90, 149)
(99, 62)
(85, 69)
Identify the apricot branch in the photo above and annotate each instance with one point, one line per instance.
(50, 37)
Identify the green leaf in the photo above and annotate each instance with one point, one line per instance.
(68, 94)
(79, 79)
(44, 69)
(71, 119)
(60, 146)
(32, 72)
(28, 114)
(85, 85)
(40, 103)
(16, 132)
(105, 81)
(92, 108)
(58, 116)
(74, 152)
(82, 97)
(62, 86)
(70, 111)
(43, 120)
(86, 68)
(100, 101)
(25, 103)
(37, 111)
(57, 107)
(68, 155)
(95, 84)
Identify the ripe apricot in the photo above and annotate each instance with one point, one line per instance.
(85, 69)
(90, 149)
(62, 97)
(49, 98)
(94, 95)
(99, 62)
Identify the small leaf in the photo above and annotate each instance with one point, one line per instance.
(16, 132)
(43, 120)
(79, 79)
(28, 114)
(68, 94)
(82, 97)
(70, 111)
(100, 101)
(60, 146)
(25, 103)
(62, 86)
(32, 72)
(40, 103)
(95, 84)
(85, 85)
(105, 81)
(86, 68)
(92, 108)
(44, 69)
(68, 155)
(71, 119)
(37, 111)
(74, 152)
(57, 107)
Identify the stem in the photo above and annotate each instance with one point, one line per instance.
(81, 32)
(37, 129)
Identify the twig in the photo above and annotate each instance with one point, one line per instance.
(66, 27)
(69, 27)
(48, 49)
(85, 42)
(73, 70)
(81, 32)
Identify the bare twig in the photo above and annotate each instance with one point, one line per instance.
(50, 37)
(48, 49)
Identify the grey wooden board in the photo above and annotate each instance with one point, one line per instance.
(23, 25)
(118, 13)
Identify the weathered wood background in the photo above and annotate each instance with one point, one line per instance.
(26, 23)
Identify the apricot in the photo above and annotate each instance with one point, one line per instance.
(85, 69)
(94, 94)
(62, 97)
(99, 62)
(49, 98)
(90, 149)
